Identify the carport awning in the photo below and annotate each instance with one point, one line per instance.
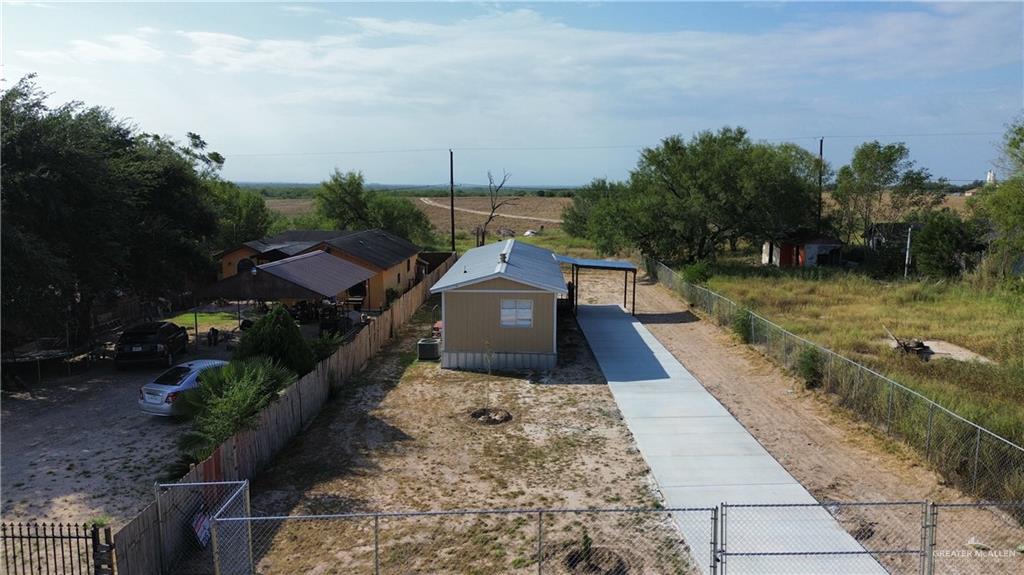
(597, 264)
(309, 276)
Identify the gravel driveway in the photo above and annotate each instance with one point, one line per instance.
(77, 448)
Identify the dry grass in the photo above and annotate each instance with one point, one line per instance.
(847, 311)
(291, 206)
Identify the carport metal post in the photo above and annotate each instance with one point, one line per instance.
(625, 287)
(634, 293)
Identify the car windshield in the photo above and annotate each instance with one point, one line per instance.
(129, 337)
(172, 376)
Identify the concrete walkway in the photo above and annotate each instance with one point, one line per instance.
(701, 456)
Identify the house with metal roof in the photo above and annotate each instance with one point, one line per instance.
(392, 259)
(499, 308)
(310, 276)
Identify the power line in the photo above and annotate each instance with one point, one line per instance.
(593, 147)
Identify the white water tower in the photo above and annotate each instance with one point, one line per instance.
(990, 178)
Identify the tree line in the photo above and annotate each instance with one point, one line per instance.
(95, 210)
(688, 200)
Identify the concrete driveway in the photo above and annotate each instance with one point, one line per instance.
(701, 456)
(77, 448)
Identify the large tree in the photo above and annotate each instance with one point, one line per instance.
(1002, 206)
(686, 199)
(881, 184)
(242, 215)
(344, 200)
(92, 209)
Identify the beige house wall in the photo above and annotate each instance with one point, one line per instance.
(229, 261)
(472, 321)
(401, 276)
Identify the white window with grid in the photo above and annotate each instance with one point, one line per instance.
(516, 313)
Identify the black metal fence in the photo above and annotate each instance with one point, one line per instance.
(58, 548)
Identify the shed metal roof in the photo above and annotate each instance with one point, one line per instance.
(307, 276)
(524, 263)
(319, 271)
(597, 264)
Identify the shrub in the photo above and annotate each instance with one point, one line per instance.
(325, 346)
(741, 323)
(228, 400)
(697, 273)
(808, 366)
(946, 245)
(390, 295)
(276, 336)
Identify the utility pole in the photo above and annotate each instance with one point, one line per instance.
(451, 197)
(906, 260)
(821, 177)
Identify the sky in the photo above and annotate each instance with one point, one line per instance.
(552, 93)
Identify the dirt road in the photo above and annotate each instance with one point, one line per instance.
(436, 204)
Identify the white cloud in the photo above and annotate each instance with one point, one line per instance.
(502, 58)
(121, 48)
(302, 9)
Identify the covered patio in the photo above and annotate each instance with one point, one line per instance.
(626, 267)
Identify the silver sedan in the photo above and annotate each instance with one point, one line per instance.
(163, 395)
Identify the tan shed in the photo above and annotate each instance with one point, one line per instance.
(498, 308)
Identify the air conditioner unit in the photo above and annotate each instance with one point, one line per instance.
(429, 348)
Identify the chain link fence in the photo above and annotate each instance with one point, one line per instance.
(976, 538)
(973, 458)
(813, 538)
(864, 537)
(186, 513)
(493, 541)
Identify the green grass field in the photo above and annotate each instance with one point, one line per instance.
(845, 311)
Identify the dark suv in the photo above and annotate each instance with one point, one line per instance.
(155, 342)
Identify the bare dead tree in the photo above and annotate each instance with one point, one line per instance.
(497, 202)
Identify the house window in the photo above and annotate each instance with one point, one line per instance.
(399, 278)
(516, 313)
(408, 264)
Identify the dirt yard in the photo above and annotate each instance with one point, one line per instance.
(402, 439)
(77, 449)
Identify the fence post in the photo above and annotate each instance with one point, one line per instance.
(376, 543)
(931, 522)
(540, 542)
(928, 433)
(714, 540)
(888, 415)
(722, 540)
(159, 527)
(248, 526)
(216, 546)
(977, 453)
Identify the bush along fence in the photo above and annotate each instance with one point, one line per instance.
(976, 460)
(140, 546)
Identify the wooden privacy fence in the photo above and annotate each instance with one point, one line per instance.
(138, 544)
